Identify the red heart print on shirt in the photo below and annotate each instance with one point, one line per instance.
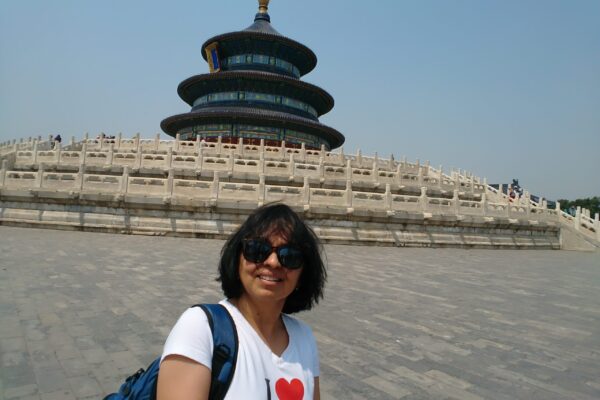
(293, 390)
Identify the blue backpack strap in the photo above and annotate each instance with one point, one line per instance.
(225, 349)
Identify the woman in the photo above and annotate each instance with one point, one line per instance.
(270, 267)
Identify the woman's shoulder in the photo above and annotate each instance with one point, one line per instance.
(298, 326)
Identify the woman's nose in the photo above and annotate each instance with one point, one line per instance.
(272, 260)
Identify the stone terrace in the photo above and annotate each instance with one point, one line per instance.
(80, 311)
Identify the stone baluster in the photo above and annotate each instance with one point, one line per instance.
(138, 151)
(177, 141)
(419, 175)
(214, 188)
(348, 194)
(39, 178)
(157, 142)
(577, 219)
(323, 151)
(456, 202)
(484, 204)
(342, 156)
(35, 152)
(597, 225)
(306, 193)
(111, 154)
(359, 158)
(291, 166)
(388, 197)
(198, 144)
(418, 165)
(261, 189)
(349, 170)
(3, 172)
(527, 197)
(391, 163)
(83, 154)
(231, 162)
(398, 176)
(261, 162)
(80, 176)
(170, 182)
(423, 199)
(262, 147)
(101, 140)
(375, 171)
(169, 159)
(303, 152)
(57, 152)
(282, 151)
(119, 137)
(199, 159)
(321, 170)
(241, 147)
(124, 180)
(219, 144)
(558, 211)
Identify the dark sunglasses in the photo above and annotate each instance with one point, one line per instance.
(258, 250)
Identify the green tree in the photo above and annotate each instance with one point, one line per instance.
(591, 203)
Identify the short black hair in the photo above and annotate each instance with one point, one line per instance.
(281, 219)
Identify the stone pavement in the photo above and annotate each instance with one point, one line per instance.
(81, 311)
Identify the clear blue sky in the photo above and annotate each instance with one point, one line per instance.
(501, 88)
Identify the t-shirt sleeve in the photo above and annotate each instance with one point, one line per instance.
(191, 337)
(315, 353)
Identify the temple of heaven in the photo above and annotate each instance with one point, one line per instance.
(254, 92)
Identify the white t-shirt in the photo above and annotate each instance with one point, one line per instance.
(259, 374)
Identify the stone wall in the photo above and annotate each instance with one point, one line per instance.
(204, 189)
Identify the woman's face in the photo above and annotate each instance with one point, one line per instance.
(268, 280)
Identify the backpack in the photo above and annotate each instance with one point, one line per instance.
(142, 384)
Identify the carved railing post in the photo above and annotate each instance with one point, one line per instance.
(577, 219)
(388, 197)
(169, 160)
(157, 142)
(419, 175)
(124, 180)
(261, 162)
(375, 171)
(261, 189)
(170, 183)
(291, 166)
(306, 193)
(342, 157)
(321, 168)
(199, 160)
(219, 144)
(241, 147)
(198, 144)
(231, 163)
(3, 172)
(177, 141)
(282, 151)
(456, 202)
(558, 211)
(359, 158)
(349, 170)
(348, 194)
(391, 163)
(39, 178)
(119, 137)
(484, 204)
(34, 152)
(111, 153)
(83, 154)
(80, 177)
(398, 176)
(303, 152)
(423, 199)
(57, 152)
(597, 225)
(214, 189)
(262, 147)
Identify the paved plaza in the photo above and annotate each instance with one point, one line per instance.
(81, 311)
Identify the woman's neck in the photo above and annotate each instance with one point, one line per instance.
(265, 318)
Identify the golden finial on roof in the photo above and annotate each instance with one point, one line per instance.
(263, 6)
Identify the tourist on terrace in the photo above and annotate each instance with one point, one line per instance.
(269, 268)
